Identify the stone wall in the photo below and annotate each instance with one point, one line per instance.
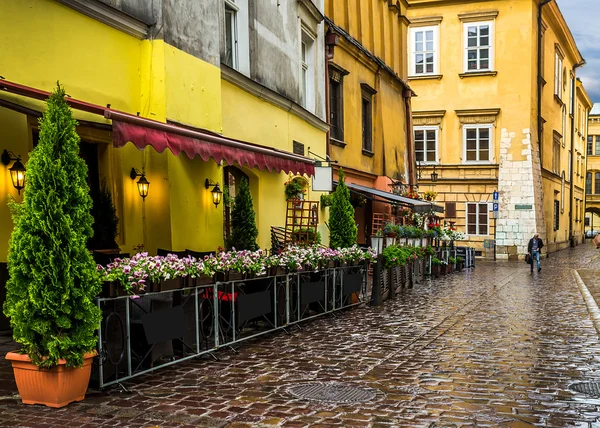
(519, 186)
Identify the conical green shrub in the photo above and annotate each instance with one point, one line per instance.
(53, 279)
(243, 223)
(342, 227)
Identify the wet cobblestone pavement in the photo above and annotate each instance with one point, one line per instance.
(494, 346)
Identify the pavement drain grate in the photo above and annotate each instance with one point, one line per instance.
(332, 392)
(588, 388)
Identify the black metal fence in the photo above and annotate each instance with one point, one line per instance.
(158, 329)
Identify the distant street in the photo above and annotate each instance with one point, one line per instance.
(495, 346)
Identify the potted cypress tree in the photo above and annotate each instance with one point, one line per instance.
(53, 278)
(243, 224)
(342, 226)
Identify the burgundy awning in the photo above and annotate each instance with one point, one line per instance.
(143, 132)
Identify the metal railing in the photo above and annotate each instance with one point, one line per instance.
(159, 329)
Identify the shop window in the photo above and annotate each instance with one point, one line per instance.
(232, 177)
(556, 214)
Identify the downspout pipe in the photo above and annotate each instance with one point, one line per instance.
(572, 185)
(410, 150)
(539, 78)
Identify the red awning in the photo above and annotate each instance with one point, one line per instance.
(145, 132)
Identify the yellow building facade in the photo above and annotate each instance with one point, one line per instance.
(369, 98)
(592, 182)
(477, 121)
(111, 60)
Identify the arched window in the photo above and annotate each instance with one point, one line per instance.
(231, 181)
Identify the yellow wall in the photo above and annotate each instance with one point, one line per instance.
(512, 90)
(593, 167)
(44, 41)
(381, 31)
(246, 117)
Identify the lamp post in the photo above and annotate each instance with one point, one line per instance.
(17, 170)
(143, 184)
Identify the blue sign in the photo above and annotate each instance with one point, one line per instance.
(495, 206)
(495, 196)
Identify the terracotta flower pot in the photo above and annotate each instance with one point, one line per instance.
(55, 387)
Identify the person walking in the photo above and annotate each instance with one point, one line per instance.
(534, 249)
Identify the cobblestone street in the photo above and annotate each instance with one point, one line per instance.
(494, 346)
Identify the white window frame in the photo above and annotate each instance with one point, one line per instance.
(437, 139)
(558, 75)
(490, 127)
(413, 52)
(241, 48)
(477, 214)
(307, 69)
(233, 9)
(466, 47)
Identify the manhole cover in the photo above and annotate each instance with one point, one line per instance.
(332, 392)
(588, 388)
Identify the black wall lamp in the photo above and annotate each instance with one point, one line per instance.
(17, 170)
(143, 184)
(217, 194)
(434, 175)
(421, 166)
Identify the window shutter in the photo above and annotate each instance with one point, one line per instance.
(450, 211)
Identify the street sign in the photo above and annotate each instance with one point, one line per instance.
(496, 206)
(495, 195)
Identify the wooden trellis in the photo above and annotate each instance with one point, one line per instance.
(301, 221)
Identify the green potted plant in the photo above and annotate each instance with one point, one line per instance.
(459, 263)
(342, 226)
(53, 278)
(243, 231)
(436, 266)
(294, 188)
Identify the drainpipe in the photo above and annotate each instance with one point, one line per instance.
(331, 40)
(572, 186)
(539, 77)
(410, 151)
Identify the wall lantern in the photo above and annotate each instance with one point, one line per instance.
(434, 175)
(217, 194)
(17, 171)
(143, 184)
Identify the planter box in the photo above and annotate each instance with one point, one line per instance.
(55, 387)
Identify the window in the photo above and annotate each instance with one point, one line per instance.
(426, 143)
(556, 214)
(450, 211)
(231, 35)
(597, 183)
(367, 128)
(558, 75)
(571, 99)
(588, 183)
(424, 50)
(477, 143)
(478, 46)
(556, 153)
(307, 72)
(590, 145)
(477, 218)
(367, 118)
(597, 145)
(336, 104)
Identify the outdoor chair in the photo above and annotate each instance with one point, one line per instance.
(146, 305)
